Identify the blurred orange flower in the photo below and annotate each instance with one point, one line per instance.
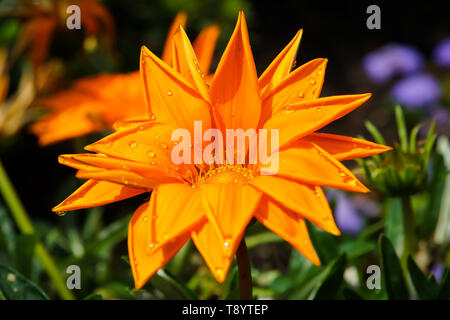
(95, 103)
(212, 204)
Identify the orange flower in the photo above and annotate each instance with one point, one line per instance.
(95, 103)
(212, 204)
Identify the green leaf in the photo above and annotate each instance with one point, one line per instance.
(7, 233)
(426, 289)
(413, 138)
(264, 237)
(25, 245)
(333, 281)
(431, 137)
(232, 291)
(354, 249)
(401, 127)
(392, 271)
(15, 286)
(171, 286)
(377, 136)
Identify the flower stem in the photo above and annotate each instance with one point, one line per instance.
(409, 241)
(245, 274)
(23, 222)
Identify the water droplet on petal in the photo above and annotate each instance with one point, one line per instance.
(164, 146)
(319, 109)
(169, 92)
(312, 81)
(151, 154)
(145, 218)
(132, 144)
(151, 245)
(301, 94)
(152, 116)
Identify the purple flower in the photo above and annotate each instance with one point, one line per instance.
(347, 218)
(441, 53)
(392, 59)
(417, 91)
(438, 271)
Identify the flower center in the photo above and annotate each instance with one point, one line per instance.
(227, 174)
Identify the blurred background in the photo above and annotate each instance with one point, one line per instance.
(406, 62)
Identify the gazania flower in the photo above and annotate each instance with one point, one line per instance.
(213, 203)
(95, 103)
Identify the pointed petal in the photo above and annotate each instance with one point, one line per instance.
(178, 210)
(312, 115)
(144, 262)
(306, 200)
(170, 98)
(310, 164)
(148, 143)
(95, 162)
(288, 226)
(180, 20)
(235, 90)
(130, 123)
(96, 193)
(66, 124)
(281, 66)
(185, 62)
(305, 83)
(127, 178)
(204, 46)
(345, 148)
(229, 208)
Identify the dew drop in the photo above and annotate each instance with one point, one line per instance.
(61, 214)
(136, 262)
(151, 154)
(312, 81)
(151, 245)
(164, 146)
(132, 144)
(169, 93)
(145, 218)
(301, 94)
(152, 117)
(319, 109)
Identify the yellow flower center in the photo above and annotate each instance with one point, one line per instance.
(227, 174)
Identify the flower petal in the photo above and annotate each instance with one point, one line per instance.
(96, 193)
(204, 46)
(317, 167)
(123, 177)
(234, 89)
(180, 20)
(170, 98)
(345, 148)
(229, 208)
(95, 162)
(312, 114)
(66, 124)
(144, 262)
(288, 226)
(306, 200)
(186, 63)
(281, 66)
(149, 142)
